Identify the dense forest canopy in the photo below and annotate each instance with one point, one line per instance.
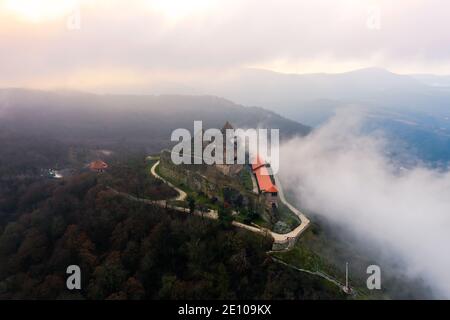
(131, 250)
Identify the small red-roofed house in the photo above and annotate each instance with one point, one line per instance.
(98, 166)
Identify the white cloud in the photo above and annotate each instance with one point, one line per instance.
(346, 176)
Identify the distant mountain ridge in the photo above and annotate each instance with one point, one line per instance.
(145, 121)
(434, 80)
(284, 92)
(412, 108)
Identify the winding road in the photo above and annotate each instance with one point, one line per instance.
(212, 214)
(181, 194)
(289, 238)
(304, 221)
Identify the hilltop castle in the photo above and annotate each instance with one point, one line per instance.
(260, 171)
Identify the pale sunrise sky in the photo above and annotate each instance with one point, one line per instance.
(80, 44)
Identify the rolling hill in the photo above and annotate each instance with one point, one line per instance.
(137, 121)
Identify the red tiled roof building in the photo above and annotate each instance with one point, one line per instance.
(98, 166)
(264, 181)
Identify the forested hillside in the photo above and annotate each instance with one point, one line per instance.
(139, 122)
(131, 250)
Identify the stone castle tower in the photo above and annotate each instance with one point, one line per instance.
(229, 169)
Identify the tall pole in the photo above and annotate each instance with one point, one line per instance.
(346, 288)
(346, 275)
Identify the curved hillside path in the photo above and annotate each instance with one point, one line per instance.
(278, 238)
(213, 214)
(181, 194)
(304, 221)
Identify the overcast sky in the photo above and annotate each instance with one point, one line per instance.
(126, 43)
